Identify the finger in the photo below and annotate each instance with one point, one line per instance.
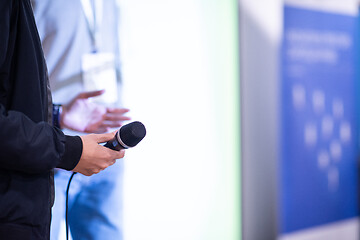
(119, 154)
(112, 155)
(112, 162)
(107, 125)
(117, 110)
(96, 128)
(85, 95)
(115, 117)
(96, 171)
(101, 138)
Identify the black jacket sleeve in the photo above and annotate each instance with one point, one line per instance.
(27, 142)
(5, 12)
(35, 147)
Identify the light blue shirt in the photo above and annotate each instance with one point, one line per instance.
(65, 37)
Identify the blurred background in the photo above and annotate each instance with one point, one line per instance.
(181, 79)
(180, 67)
(251, 115)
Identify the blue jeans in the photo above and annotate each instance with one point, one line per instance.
(95, 204)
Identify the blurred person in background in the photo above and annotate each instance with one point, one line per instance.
(81, 47)
(32, 144)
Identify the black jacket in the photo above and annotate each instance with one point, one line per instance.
(30, 148)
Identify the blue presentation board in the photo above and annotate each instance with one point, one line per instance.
(318, 164)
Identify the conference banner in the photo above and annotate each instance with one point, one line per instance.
(318, 188)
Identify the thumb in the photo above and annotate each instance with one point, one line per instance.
(85, 95)
(101, 138)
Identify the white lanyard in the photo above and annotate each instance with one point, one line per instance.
(93, 14)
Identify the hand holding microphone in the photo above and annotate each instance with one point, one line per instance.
(128, 136)
(96, 158)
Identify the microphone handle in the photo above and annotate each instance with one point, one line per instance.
(114, 144)
(127, 136)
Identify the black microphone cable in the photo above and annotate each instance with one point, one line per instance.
(128, 136)
(67, 206)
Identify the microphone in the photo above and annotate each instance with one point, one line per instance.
(128, 136)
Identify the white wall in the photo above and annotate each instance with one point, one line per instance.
(180, 76)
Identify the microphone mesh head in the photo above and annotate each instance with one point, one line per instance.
(131, 134)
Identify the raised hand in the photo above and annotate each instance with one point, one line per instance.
(82, 115)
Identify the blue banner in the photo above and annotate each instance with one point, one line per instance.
(318, 181)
